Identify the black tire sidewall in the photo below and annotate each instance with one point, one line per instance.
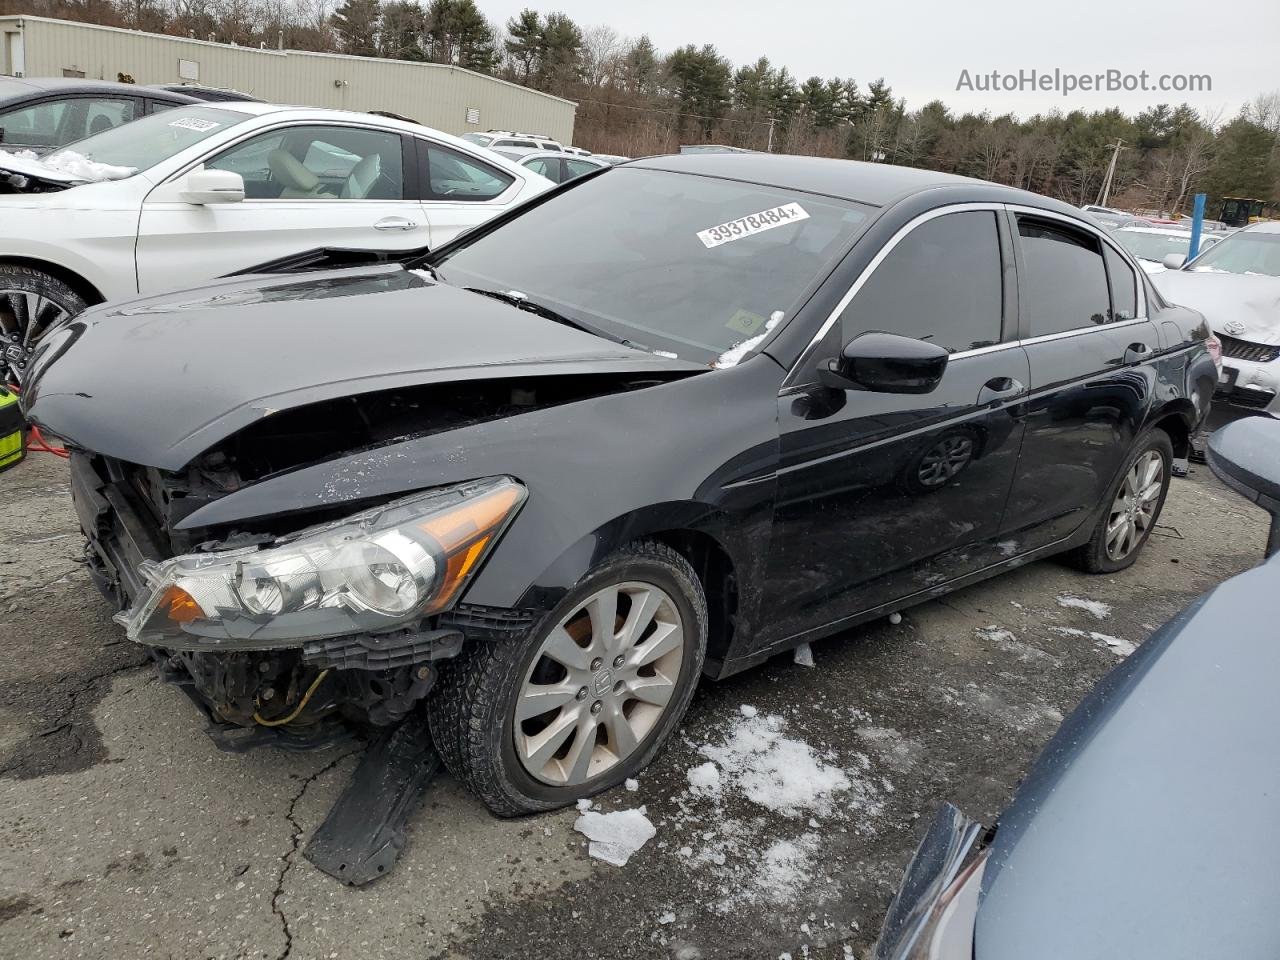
(31, 280)
(677, 584)
(1154, 439)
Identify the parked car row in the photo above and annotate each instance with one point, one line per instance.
(184, 195)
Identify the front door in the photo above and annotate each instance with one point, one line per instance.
(305, 187)
(882, 495)
(1087, 340)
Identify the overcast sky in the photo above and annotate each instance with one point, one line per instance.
(920, 48)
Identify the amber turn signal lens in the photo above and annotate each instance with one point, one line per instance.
(179, 606)
(464, 534)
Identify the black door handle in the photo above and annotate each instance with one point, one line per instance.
(999, 388)
(1137, 352)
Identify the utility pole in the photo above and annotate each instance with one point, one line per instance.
(1105, 193)
(769, 147)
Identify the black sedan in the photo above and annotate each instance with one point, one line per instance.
(43, 113)
(664, 421)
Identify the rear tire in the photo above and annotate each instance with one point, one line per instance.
(1132, 507)
(570, 710)
(31, 301)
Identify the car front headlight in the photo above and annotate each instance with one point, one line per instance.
(376, 570)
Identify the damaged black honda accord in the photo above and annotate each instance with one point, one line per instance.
(662, 422)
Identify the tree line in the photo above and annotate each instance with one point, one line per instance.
(635, 99)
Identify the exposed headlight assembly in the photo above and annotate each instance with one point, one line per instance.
(373, 571)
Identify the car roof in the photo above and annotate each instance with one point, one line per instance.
(1266, 226)
(78, 85)
(1161, 231)
(875, 184)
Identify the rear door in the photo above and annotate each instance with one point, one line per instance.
(306, 186)
(460, 190)
(1084, 326)
(883, 495)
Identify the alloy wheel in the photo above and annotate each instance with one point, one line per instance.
(24, 318)
(599, 683)
(944, 460)
(1134, 509)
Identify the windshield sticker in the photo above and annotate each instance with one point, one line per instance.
(195, 123)
(752, 224)
(744, 321)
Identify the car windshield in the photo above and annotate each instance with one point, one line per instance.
(1249, 251)
(690, 265)
(1153, 246)
(143, 143)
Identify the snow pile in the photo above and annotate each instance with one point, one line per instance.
(71, 164)
(1096, 608)
(734, 355)
(1121, 648)
(615, 836)
(995, 634)
(704, 780)
(776, 772)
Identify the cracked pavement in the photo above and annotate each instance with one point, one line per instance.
(128, 834)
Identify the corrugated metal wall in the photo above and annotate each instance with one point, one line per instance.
(436, 95)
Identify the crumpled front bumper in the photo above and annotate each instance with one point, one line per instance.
(1249, 385)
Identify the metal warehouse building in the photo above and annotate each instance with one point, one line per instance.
(445, 97)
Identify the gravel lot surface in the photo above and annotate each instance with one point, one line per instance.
(126, 834)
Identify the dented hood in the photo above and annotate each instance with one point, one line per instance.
(157, 381)
(1240, 305)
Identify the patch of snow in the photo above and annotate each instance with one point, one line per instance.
(1007, 548)
(995, 634)
(1095, 608)
(776, 772)
(82, 168)
(704, 779)
(666, 353)
(617, 835)
(631, 785)
(785, 868)
(667, 918)
(804, 655)
(734, 355)
(584, 805)
(748, 711)
(1118, 646)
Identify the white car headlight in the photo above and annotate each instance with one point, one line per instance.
(376, 570)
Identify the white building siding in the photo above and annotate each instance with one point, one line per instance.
(433, 94)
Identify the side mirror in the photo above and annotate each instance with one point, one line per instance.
(1173, 261)
(213, 186)
(886, 363)
(1245, 455)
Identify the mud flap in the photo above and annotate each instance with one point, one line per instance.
(364, 833)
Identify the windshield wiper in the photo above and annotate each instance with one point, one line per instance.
(521, 302)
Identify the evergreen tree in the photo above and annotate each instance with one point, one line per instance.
(356, 22)
(456, 32)
(640, 66)
(700, 80)
(524, 43)
(402, 25)
(560, 54)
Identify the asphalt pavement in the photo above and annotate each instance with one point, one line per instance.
(125, 833)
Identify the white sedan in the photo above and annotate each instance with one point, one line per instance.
(180, 197)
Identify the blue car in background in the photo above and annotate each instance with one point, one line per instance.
(1149, 828)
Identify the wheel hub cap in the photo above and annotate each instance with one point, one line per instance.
(1134, 509)
(598, 684)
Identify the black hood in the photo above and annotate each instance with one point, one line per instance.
(159, 380)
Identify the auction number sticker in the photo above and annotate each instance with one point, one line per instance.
(752, 224)
(196, 124)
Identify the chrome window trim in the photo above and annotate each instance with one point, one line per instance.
(1014, 208)
(878, 259)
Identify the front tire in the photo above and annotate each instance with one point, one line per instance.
(31, 303)
(587, 698)
(1133, 506)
